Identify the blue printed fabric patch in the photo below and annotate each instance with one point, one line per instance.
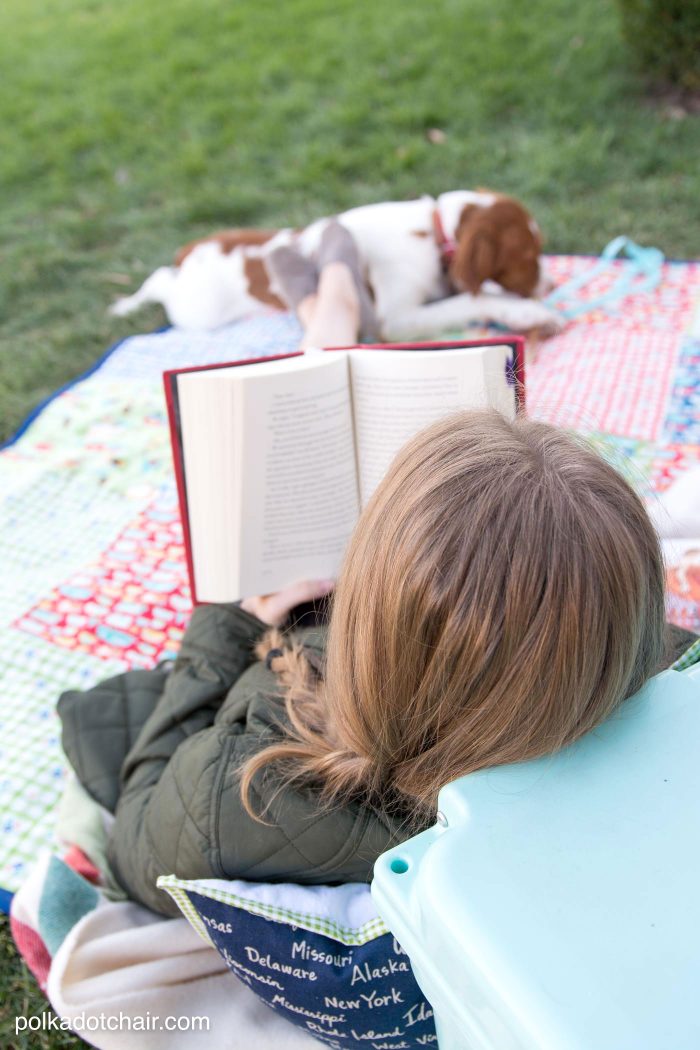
(348, 997)
(682, 423)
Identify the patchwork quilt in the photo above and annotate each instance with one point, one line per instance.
(94, 579)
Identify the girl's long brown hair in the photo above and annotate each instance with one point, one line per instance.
(501, 594)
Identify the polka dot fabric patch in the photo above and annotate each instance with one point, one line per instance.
(132, 603)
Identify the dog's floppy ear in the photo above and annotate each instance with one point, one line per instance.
(475, 253)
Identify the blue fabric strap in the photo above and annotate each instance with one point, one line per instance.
(641, 274)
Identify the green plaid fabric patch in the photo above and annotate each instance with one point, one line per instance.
(688, 658)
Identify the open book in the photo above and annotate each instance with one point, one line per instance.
(275, 459)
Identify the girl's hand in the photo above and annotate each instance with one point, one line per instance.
(274, 609)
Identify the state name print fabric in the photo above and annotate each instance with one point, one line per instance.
(320, 956)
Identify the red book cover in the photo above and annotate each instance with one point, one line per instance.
(516, 370)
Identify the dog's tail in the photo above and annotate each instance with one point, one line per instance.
(153, 290)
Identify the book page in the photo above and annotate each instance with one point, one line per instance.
(270, 475)
(396, 393)
(207, 410)
(299, 490)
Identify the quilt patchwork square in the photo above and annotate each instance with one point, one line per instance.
(617, 382)
(32, 766)
(682, 422)
(132, 603)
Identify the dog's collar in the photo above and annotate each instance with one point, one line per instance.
(445, 245)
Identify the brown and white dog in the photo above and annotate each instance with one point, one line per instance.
(431, 264)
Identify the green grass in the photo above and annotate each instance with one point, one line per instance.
(127, 129)
(20, 997)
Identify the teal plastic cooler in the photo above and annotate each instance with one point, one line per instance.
(556, 903)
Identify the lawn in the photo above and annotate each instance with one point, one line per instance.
(20, 997)
(127, 129)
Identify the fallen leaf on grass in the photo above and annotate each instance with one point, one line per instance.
(436, 135)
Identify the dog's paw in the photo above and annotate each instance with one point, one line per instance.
(553, 325)
(536, 315)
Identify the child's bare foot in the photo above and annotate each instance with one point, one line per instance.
(338, 246)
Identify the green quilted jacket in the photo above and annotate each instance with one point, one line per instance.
(161, 750)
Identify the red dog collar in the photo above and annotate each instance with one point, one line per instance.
(446, 245)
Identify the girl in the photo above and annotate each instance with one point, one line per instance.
(501, 595)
